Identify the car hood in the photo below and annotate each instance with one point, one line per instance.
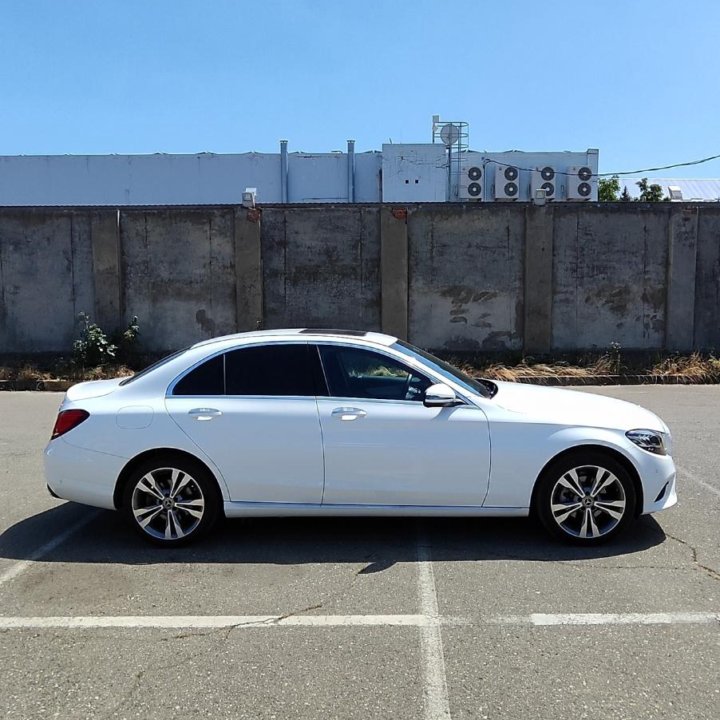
(570, 407)
(92, 389)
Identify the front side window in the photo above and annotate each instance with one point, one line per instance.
(358, 373)
(445, 369)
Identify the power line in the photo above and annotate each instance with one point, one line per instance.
(610, 174)
(664, 167)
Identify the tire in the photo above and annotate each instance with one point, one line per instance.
(585, 498)
(171, 501)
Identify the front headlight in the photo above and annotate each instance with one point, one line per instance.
(653, 441)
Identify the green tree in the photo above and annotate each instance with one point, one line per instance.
(625, 196)
(608, 189)
(649, 192)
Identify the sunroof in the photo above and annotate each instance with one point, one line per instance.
(333, 331)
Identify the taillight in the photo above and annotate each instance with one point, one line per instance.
(67, 420)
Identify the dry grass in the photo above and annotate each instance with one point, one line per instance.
(604, 365)
(694, 368)
(30, 373)
(512, 374)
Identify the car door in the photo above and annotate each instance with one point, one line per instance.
(384, 447)
(252, 410)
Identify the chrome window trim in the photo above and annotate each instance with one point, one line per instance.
(358, 344)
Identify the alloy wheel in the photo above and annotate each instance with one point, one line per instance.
(168, 504)
(588, 502)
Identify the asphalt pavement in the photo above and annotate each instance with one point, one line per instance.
(360, 618)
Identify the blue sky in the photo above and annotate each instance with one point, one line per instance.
(638, 79)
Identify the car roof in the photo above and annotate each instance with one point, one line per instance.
(305, 334)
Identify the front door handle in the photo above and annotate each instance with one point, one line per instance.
(348, 413)
(204, 414)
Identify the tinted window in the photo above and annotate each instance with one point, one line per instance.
(446, 370)
(358, 373)
(271, 370)
(205, 379)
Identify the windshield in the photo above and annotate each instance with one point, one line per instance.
(152, 367)
(444, 369)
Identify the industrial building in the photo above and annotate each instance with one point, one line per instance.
(444, 170)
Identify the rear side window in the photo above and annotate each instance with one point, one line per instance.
(205, 379)
(288, 370)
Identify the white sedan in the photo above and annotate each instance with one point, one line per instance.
(330, 422)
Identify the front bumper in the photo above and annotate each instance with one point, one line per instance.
(658, 478)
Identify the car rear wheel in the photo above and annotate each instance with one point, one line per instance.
(171, 502)
(586, 498)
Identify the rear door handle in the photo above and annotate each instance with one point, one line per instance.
(204, 414)
(348, 413)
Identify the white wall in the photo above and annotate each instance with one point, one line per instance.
(414, 173)
(401, 173)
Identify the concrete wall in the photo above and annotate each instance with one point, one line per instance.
(321, 267)
(466, 276)
(46, 278)
(446, 276)
(609, 277)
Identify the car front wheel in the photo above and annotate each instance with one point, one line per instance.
(171, 502)
(586, 498)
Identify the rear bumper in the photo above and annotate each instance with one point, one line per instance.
(80, 475)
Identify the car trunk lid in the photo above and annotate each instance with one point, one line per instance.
(92, 389)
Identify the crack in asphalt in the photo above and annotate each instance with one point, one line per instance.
(714, 574)
(224, 634)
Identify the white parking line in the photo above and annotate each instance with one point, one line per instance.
(14, 570)
(696, 479)
(676, 618)
(209, 621)
(433, 664)
(437, 704)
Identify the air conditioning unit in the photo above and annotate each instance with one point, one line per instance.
(472, 182)
(507, 182)
(581, 184)
(544, 179)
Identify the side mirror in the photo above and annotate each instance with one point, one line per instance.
(440, 395)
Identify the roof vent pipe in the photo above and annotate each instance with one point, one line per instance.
(351, 171)
(283, 171)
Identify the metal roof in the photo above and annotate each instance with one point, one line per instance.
(693, 189)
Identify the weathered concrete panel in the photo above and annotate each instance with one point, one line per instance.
(105, 236)
(46, 278)
(538, 278)
(707, 284)
(179, 274)
(466, 276)
(321, 267)
(394, 271)
(609, 276)
(248, 269)
(682, 262)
